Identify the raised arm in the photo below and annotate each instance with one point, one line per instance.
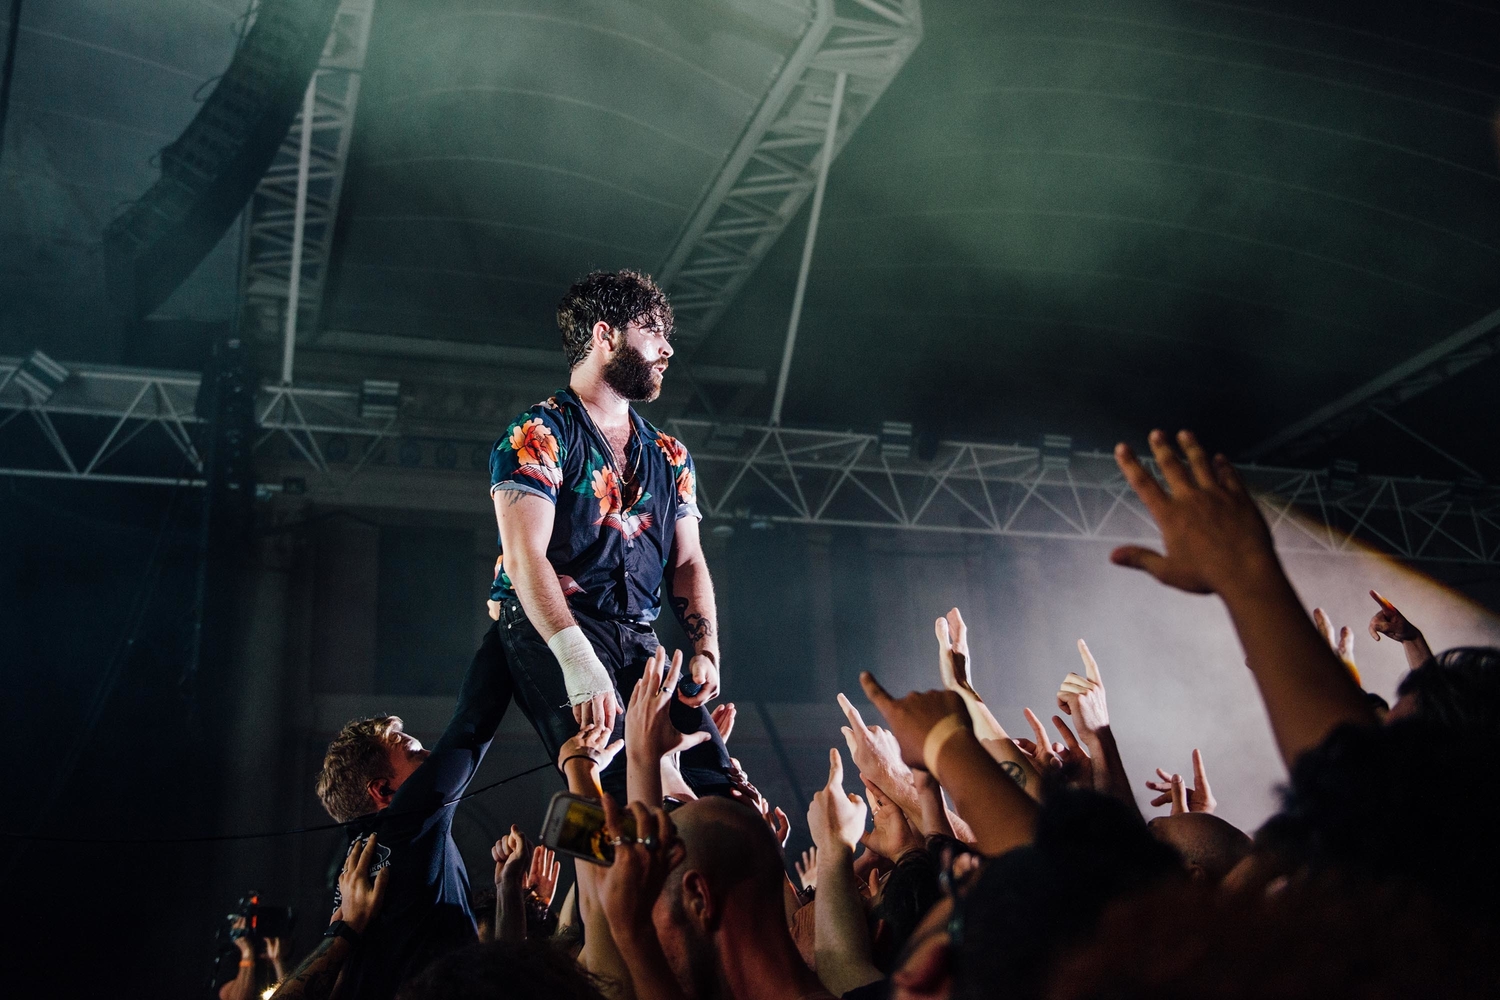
(1389, 621)
(935, 733)
(526, 521)
(649, 734)
(954, 668)
(360, 899)
(1082, 697)
(692, 601)
(1217, 543)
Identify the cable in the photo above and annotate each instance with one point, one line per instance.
(221, 837)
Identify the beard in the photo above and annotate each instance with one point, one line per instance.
(632, 376)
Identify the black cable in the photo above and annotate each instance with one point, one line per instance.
(221, 837)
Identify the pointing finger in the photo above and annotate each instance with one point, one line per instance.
(856, 721)
(835, 769)
(1090, 666)
(877, 694)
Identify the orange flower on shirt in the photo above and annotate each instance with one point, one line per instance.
(673, 449)
(687, 486)
(607, 488)
(536, 451)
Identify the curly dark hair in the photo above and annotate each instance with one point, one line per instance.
(614, 297)
(1459, 689)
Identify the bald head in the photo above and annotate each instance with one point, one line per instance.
(1210, 846)
(729, 843)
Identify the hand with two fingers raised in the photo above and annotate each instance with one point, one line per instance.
(1199, 798)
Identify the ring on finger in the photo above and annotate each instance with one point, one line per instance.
(648, 842)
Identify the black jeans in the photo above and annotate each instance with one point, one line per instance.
(623, 647)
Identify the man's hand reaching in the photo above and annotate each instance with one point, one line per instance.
(1210, 527)
(705, 673)
(649, 731)
(600, 710)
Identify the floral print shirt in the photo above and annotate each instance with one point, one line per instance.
(610, 559)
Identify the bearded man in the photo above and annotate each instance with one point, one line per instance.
(597, 510)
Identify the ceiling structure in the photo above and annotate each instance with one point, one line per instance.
(1081, 218)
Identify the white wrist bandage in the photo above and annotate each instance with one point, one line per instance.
(583, 674)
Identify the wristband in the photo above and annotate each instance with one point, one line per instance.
(577, 756)
(948, 726)
(246, 963)
(583, 674)
(340, 929)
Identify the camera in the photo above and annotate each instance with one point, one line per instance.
(261, 921)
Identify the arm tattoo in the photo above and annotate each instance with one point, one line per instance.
(308, 983)
(696, 626)
(1013, 769)
(512, 497)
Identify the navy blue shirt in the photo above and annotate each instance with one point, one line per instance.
(426, 910)
(613, 532)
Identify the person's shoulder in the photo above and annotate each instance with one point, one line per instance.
(552, 416)
(675, 451)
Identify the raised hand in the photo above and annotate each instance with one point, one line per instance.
(723, 716)
(1199, 798)
(836, 818)
(541, 878)
(1217, 542)
(954, 666)
(1043, 757)
(360, 896)
(1210, 526)
(953, 653)
(890, 836)
(592, 742)
(1389, 621)
(649, 731)
(646, 849)
(912, 717)
(807, 868)
(511, 854)
(1342, 644)
(1083, 697)
(877, 754)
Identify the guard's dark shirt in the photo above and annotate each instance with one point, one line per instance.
(426, 911)
(609, 557)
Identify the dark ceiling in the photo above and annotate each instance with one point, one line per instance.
(1062, 216)
(1092, 218)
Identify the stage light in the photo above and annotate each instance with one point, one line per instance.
(1343, 476)
(725, 438)
(379, 399)
(895, 439)
(40, 376)
(1057, 451)
(269, 991)
(722, 531)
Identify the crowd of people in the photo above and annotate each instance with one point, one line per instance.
(973, 862)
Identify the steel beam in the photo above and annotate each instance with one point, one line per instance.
(120, 425)
(289, 230)
(1479, 341)
(773, 168)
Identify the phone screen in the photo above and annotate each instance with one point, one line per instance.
(576, 826)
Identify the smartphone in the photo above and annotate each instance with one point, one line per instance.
(576, 826)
